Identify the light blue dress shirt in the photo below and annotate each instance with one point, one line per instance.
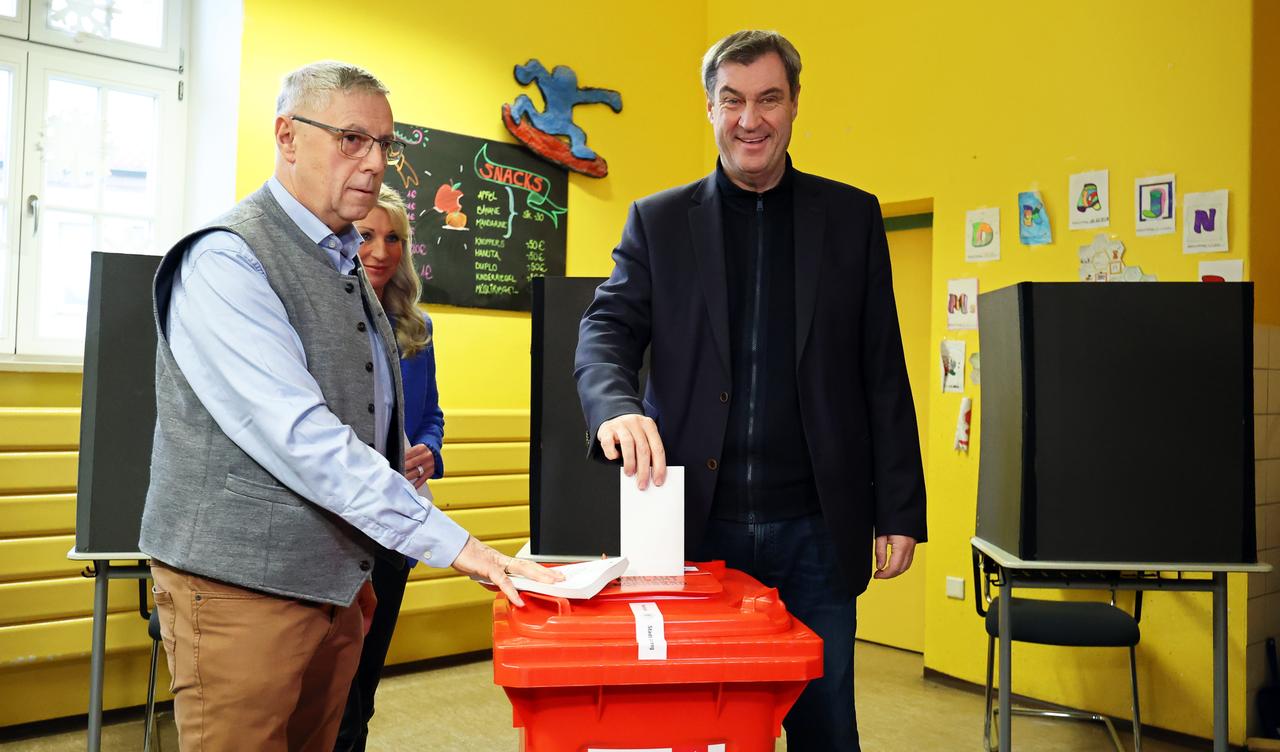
(230, 334)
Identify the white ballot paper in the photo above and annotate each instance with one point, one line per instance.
(581, 580)
(653, 525)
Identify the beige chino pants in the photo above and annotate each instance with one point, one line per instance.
(253, 671)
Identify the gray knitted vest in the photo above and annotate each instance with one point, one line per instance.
(214, 511)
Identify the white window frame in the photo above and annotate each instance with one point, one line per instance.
(168, 55)
(17, 27)
(44, 64)
(13, 56)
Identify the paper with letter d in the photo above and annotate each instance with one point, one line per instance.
(651, 634)
(653, 525)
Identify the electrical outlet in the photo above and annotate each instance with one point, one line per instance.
(955, 588)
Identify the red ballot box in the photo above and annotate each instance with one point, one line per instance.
(710, 665)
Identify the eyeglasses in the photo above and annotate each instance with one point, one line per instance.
(355, 144)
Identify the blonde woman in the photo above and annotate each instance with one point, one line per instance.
(389, 265)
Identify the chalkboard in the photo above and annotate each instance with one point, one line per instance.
(118, 403)
(488, 217)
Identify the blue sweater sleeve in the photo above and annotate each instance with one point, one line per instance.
(424, 420)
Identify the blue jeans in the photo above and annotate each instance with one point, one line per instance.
(797, 557)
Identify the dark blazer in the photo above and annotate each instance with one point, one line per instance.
(668, 292)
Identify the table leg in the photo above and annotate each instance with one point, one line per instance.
(97, 655)
(1006, 665)
(1220, 722)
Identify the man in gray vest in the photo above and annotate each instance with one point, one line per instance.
(277, 469)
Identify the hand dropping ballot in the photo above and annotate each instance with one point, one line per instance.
(652, 523)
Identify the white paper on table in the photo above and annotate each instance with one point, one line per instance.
(653, 525)
(1089, 200)
(1204, 222)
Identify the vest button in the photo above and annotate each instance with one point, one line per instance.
(368, 367)
(712, 464)
(351, 287)
(370, 407)
(360, 327)
(724, 396)
(364, 565)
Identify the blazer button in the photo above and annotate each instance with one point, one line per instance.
(712, 464)
(350, 287)
(370, 407)
(361, 327)
(724, 396)
(368, 367)
(364, 565)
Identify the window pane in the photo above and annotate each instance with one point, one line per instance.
(125, 235)
(9, 8)
(71, 145)
(135, 21)
(6, 129)
(65, 241)
(130, 147)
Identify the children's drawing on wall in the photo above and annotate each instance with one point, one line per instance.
(975, 369)
(1090, 195)
(963, 420)
(962, 303)
(1154, 201)
(982, 235)
(1103, 261)
(546, 131)
(1231, 270)
(1204, 222)
(1033, 220)
(952, 365)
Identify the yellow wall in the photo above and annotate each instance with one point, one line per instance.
(968, 106)
(892, 612)
(1266, 162)
(454, 75)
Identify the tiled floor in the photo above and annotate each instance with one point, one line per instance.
(457, 707)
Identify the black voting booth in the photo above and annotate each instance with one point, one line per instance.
(573, 501)
(1117, 422)
(118, 404)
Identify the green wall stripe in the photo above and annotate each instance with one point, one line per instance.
(908, 222)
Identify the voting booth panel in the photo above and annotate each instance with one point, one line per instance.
(1117, 422)
(573, 501)
(118, 408)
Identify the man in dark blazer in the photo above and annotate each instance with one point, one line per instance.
(776, 374)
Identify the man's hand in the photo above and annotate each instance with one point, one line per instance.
(419, 464)
(899, 559)
(367, 602)
(483, 561)
(635, 438)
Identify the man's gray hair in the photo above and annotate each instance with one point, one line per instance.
(744, 48)
(309, 87)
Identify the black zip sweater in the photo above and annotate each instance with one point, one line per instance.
(765, 471)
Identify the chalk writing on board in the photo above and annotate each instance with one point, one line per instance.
(488, 217)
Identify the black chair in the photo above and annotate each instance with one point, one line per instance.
(1070, 624)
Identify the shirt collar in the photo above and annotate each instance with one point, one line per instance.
(345, 244)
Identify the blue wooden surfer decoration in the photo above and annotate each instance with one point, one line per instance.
(545, 132)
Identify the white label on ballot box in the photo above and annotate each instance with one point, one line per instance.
(650, 633)
(716, 747)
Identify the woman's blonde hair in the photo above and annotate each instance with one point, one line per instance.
(400, 296)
